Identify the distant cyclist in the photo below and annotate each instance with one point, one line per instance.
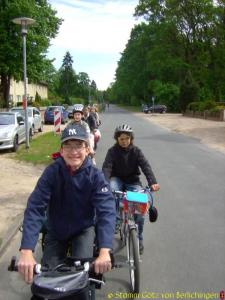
(122, 169)
(78, 115)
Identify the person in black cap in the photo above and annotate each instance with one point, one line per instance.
(76, 198)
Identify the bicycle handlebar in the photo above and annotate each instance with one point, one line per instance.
(77, 263)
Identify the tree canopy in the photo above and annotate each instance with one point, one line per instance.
(37, 41)
(176, 55)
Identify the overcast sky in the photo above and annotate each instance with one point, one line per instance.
(95, 32)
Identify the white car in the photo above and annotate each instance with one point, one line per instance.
(34, 117)
(12, 130)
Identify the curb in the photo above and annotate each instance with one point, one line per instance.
(10, 233)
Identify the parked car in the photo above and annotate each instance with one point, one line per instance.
(34, 117)
(12, 130)
(70, 111)
(157, 108)
(49, 114)
(145, 108)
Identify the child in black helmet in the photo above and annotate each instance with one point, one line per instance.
(76, 198)
(121, 169)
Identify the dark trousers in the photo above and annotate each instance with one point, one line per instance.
(55, 251)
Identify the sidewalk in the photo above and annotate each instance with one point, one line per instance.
(17, 182)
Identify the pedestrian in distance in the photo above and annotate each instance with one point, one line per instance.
(76, 200)
(121, 168)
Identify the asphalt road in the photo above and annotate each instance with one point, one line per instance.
(184, 249)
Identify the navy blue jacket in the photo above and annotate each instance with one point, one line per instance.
(73, 202)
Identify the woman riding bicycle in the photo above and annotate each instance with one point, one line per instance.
(121, 169)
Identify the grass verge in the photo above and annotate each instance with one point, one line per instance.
(40, 149)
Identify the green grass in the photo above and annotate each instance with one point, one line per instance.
(40, 149)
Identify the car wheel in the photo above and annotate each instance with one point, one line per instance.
(32, 130)
(41, 128)
(15, 143)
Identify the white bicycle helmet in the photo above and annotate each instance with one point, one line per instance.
(123, 128)
(78, 108)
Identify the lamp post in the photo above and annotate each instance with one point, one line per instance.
(25, 22)
(153, 104)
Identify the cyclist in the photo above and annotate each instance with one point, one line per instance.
(77, 119)
(77, 200)
(96, 131)
(121, 169)
(89, 118)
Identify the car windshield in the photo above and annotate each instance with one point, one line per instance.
(7, 119)
(22, 111)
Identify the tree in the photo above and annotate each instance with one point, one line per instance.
(67, 79)
(83, 83)
(38, 41)
(195, 32)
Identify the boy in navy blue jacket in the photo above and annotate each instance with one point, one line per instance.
(75, 195)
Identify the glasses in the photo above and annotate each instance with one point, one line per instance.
(70, 148)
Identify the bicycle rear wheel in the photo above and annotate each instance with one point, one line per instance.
(133, 260)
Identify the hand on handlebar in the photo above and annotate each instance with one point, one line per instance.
(102, 263)
(155, 187)
(26, 265)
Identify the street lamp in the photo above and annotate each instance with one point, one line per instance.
(24, 22)
(153, 104)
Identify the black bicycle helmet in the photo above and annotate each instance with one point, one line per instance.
(78, 108)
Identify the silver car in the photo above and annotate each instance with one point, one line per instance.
(12, 130)
(34, 117)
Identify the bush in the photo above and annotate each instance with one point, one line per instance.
(217, 108)
(36, 104)
(37, 97)
(201, 106)
(45, 102)
(194, 106)
(207, 105)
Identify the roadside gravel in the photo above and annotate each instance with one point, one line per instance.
(211, 133)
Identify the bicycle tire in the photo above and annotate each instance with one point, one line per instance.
(133, 260)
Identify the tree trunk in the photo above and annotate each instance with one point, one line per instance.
(5, 87)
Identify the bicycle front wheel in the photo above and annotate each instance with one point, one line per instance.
(133, 260)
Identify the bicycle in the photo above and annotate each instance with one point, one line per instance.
(128, 203)
(73, 280)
